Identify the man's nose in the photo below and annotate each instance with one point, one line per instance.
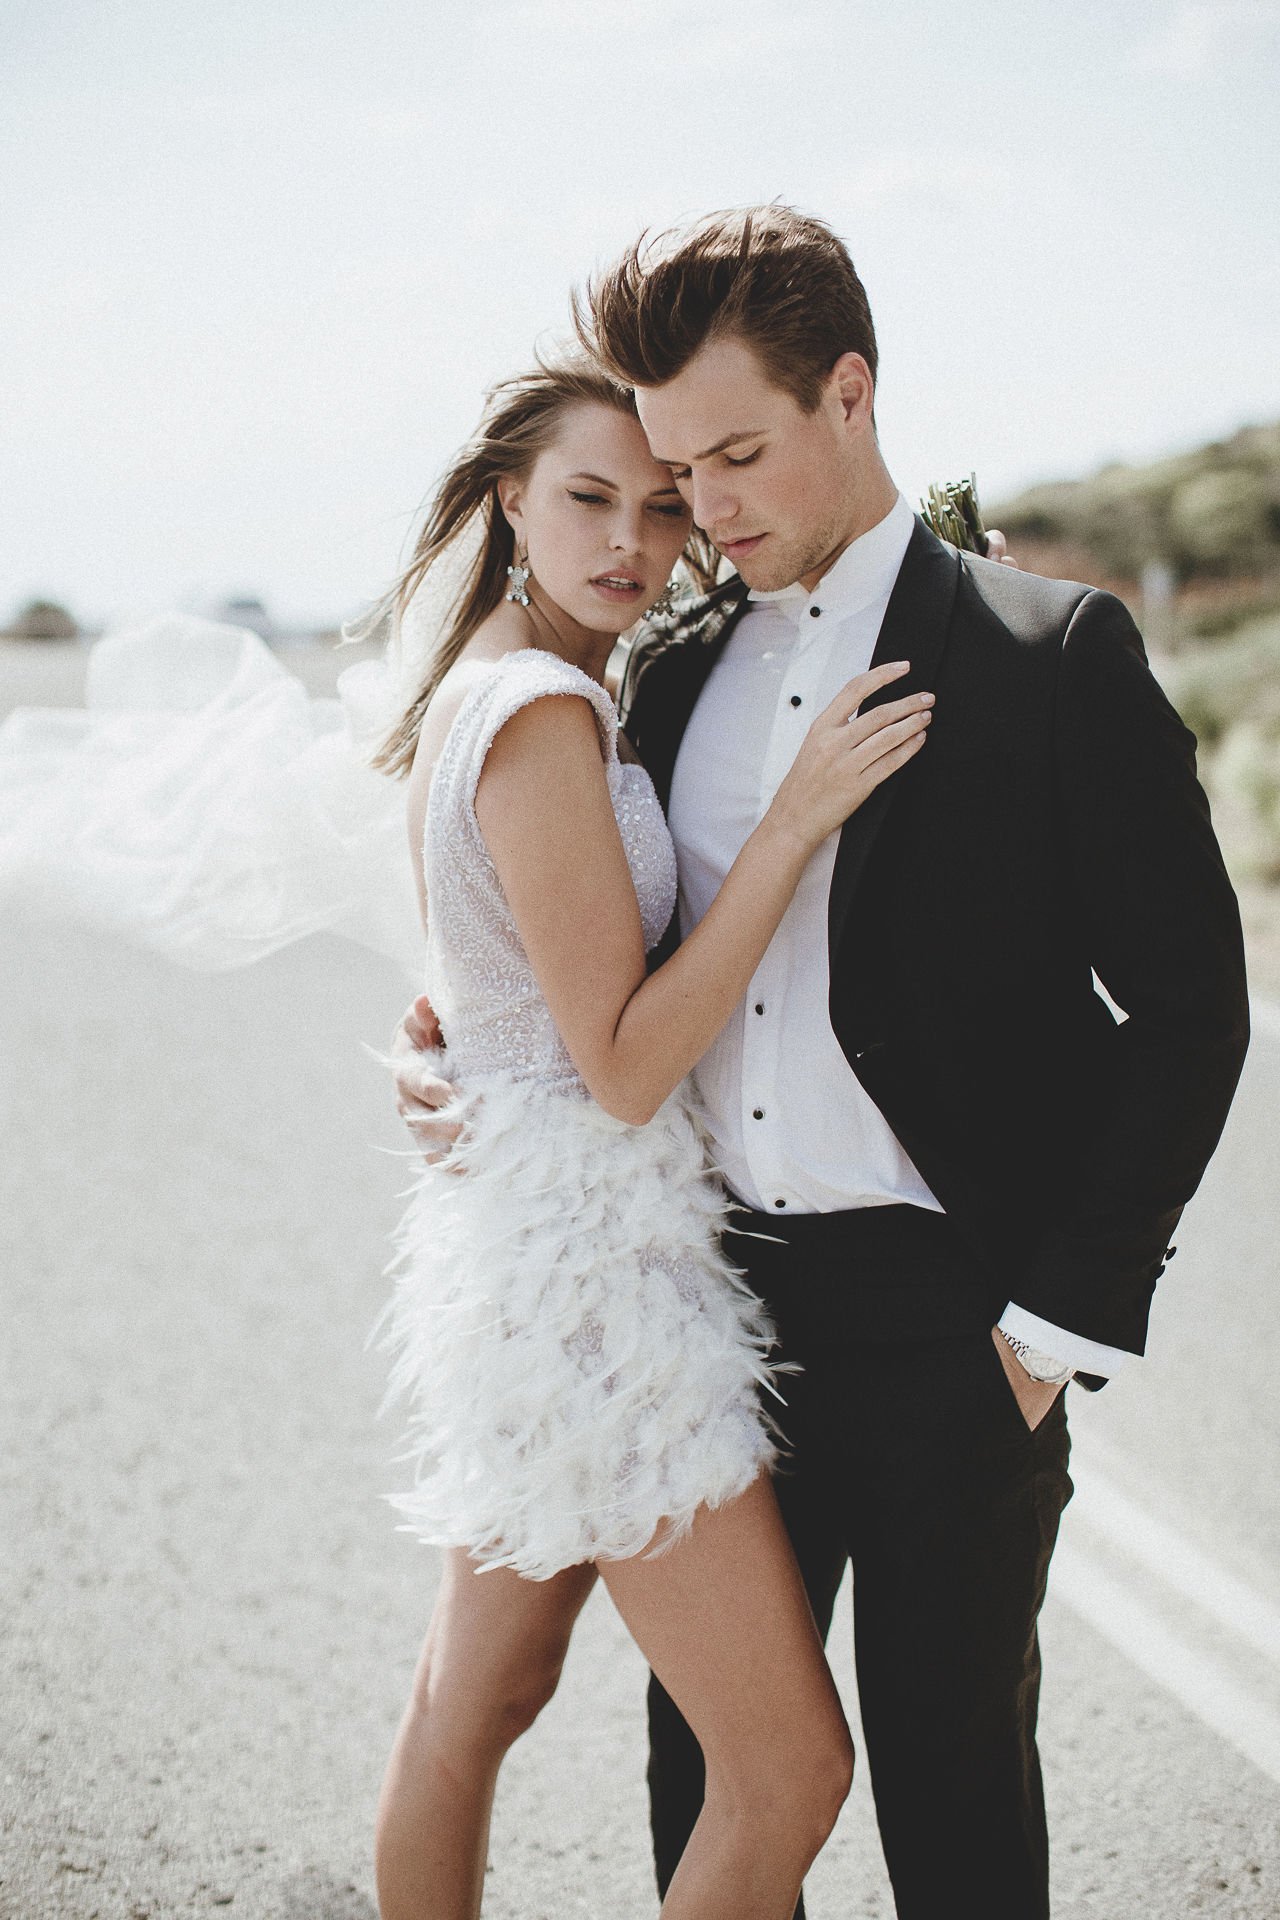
(713, 504)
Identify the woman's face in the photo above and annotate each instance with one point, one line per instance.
(603, 522)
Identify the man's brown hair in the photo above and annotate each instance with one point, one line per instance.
(778, 280)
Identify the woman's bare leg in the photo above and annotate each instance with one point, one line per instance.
(490, 1662)
(724, 1622)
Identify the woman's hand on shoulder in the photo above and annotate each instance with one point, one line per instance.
(998, 549)
(846, 755)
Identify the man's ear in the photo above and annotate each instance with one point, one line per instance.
(853, 389)
(510, 494)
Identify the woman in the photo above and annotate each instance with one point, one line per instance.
(583, 1367)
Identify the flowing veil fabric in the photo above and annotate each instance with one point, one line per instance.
(204, 805)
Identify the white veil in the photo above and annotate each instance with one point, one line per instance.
(204, 805)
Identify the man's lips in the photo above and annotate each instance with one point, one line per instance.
(737, 549)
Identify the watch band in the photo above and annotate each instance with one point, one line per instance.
(1040, 1365)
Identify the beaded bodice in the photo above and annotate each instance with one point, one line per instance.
(481, 984)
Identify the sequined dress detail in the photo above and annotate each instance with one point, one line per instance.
(579, 1362)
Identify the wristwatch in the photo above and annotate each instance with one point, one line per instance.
(1041, 1366)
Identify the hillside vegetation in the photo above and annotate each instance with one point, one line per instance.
(1192, 544)
(1202, 527)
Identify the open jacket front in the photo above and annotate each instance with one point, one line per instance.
(1053, 826)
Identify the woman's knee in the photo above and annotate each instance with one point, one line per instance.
(490, 1707)
(814, 1781)
(838, 1773)
(797, 1785)
(523, 1696)
(493, 1654)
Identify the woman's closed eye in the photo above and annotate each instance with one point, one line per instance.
(674, 510)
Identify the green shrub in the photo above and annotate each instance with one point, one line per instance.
(1228, 692)
(1212, 513)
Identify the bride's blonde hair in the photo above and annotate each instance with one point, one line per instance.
(521, 417)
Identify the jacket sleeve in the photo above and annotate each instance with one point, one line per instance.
(1164, 938)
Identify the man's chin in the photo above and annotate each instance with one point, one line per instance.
(763, 571)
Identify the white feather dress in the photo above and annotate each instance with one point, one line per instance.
(579, 1361)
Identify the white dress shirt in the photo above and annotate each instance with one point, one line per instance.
(793, 1130)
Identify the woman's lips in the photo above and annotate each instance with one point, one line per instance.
(618, 586)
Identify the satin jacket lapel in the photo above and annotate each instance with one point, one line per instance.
(915, 627)
(663, 681)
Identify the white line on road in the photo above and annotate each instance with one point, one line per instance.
(1264, 1017)
(1203, 1685)
(1155, 1545)
(1114, 1609)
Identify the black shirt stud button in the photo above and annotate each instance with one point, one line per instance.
(759, 1006)
(795, 699)
(815, 613)
(779, 1203)
(757, 1113)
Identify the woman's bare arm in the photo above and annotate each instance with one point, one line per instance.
(544, 808)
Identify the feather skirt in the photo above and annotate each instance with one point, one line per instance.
(581, 1366)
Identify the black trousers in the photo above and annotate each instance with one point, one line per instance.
(909, 1457)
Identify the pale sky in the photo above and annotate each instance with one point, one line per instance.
(261, 258)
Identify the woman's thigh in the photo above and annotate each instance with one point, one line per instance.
(496, 1642)
(724, 1621)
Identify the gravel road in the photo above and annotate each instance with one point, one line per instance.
(211, 1620)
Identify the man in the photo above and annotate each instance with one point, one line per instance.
(959, 1173)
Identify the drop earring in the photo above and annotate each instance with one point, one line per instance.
(520, 575)
(663, 607)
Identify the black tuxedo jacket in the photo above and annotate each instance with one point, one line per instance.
(1052, 825)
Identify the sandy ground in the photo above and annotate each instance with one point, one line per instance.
(211, 1621)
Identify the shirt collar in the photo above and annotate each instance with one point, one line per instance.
(865, 572)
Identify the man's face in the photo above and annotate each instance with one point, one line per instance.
(771, 484)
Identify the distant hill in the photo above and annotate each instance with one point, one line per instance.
(1192, 544)
(1201, 528)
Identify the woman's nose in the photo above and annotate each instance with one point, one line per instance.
(626, 533)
